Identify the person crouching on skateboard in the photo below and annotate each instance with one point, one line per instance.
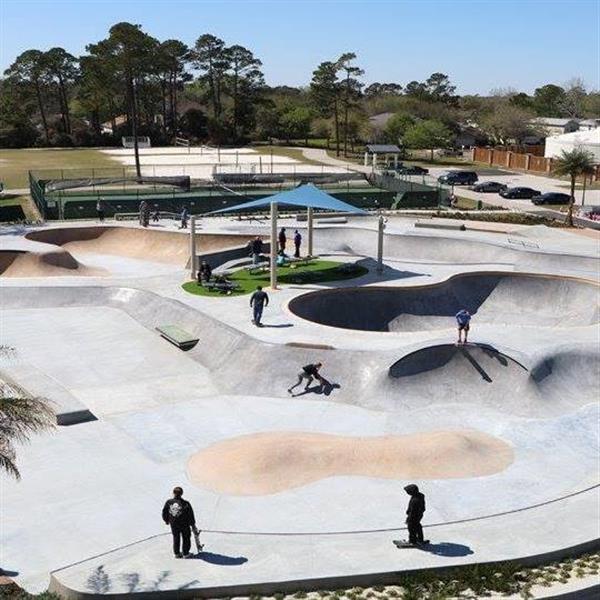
(178, 513)
(463, 318)
(308, 373)
(414, 514)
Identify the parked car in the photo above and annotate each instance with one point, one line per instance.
(520, 192)
(412, 170)
(458, 178)
(489, 187)
(552, 198)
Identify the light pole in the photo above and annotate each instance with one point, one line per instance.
(273, 245)
(380, 230)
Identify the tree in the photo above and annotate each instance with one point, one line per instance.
(30, 70)
(377, 89)
(416, 89)
(129, 52)
(246, 79)
(62, 67)
(573, 163)
(210, 56)
(574, 98)
(324, 90)
(548, 100)
(173, 57)
(19, 419)
(193, 123)
(427, 135)
(396, 127)
(351, 89)
(521, 100)
(295, 123)
(439, 88)
(506, 122)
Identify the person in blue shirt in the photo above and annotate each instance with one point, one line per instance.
(463, 318)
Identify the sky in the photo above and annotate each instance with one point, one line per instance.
(481, 44)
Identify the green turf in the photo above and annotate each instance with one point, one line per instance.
(16, 163)
(317, 271)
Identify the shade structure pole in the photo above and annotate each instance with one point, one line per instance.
(381, 227)
(309, 220)
(193, 257)
(273, 245)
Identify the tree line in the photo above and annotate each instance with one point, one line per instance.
(131, 83)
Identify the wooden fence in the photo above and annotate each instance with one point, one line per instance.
(517, 160)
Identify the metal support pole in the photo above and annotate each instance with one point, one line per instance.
(273, 245)
(381, 227)
(193, 257)
(309, 221)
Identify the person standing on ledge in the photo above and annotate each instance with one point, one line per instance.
(185, 213)
(297, 243)
(414, 514)
(282, 240)
(258, 301)
(463, 318)
(178, 513)
(100, 210)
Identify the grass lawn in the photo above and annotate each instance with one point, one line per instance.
(14, 164)
(29, 208)
(318, 271)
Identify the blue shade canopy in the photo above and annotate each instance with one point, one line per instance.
(305, 196)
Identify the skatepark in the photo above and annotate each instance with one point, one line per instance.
(305, 491)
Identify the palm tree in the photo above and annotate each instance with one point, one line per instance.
(573, 163)
(19, 418)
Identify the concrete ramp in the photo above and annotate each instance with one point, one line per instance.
(171, 247)
(495, 298)
(557, 382)
(54, 263)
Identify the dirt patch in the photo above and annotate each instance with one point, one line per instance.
(268, 463)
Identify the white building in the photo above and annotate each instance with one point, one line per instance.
(587, 139)
(554, 125)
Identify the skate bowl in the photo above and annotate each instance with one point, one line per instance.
(491, 297)
(557, 382)
(54, 263)
(170, 247)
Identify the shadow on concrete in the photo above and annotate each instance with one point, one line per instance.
(325, 390)
(221, 559)
(8, 573)
(99, 582)
(447, 549)
(280, 326)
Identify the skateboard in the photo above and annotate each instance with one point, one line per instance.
(405, 544)
(199, 546)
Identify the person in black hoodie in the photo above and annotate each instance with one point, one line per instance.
(178, 513)
(414, 514)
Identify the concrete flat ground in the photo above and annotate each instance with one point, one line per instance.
(501, 441)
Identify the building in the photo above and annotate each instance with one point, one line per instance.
(589, 123)
(554, 126)
(587, 139)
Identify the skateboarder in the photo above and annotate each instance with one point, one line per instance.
(178, 513)
(282, 240)
(184, 217)
(308, 373)
(204, 273)
(297, 243)
(258, 301)
(257, 249)
(463, 318)
(414, 514)
(100, 210)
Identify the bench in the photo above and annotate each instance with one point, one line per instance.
(177, 336)
(261, 267)
(223, 286)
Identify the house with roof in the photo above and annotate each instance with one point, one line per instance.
(554, 125)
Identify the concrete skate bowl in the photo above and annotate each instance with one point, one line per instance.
(556, 383)
(495, 298)
(54, 263)
(169, 247)
(413, 247)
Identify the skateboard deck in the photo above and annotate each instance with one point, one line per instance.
(199, 546)
(405, 544)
